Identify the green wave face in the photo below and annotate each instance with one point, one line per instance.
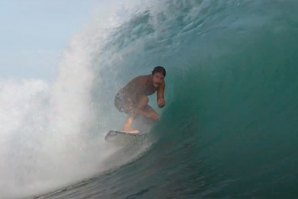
(229, 128)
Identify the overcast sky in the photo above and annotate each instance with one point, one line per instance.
(34, 33)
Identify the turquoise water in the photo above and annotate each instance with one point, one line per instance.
(229, 129)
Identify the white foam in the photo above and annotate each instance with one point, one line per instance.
(51, 134)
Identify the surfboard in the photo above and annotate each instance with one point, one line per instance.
(122, 137)
(113, 133)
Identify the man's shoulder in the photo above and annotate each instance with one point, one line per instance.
(141, 78)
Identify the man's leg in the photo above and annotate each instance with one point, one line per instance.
(151, 113)
(142, 109)
(146, 110)
(127, 127)
(131, 110)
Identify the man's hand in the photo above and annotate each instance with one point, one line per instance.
(161, 102)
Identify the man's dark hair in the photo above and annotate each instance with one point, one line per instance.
(159, 69)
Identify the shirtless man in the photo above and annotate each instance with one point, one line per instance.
(132, 99)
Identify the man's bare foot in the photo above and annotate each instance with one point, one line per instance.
(131, 131)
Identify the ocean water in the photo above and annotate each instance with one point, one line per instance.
(229, 128)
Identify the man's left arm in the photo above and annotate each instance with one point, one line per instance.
(160, 95)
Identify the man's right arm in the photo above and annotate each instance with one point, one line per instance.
(160, 95)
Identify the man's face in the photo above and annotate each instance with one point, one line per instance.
(157, 79)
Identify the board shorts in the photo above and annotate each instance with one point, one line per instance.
(124, 104)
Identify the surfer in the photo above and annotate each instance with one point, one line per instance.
(133, 99)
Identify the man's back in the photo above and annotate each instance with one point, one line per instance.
(138, 86)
